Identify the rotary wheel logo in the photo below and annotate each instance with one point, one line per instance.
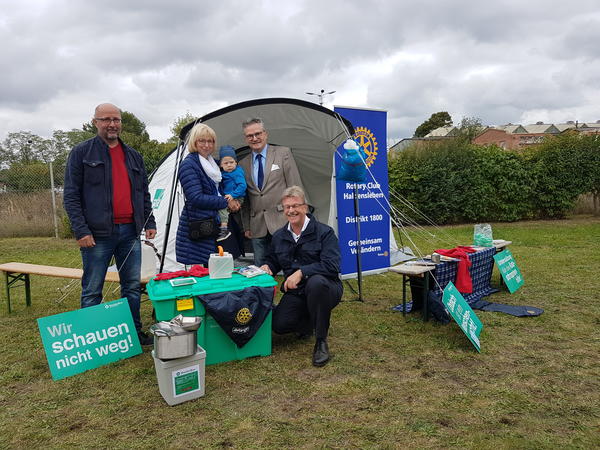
(367, 141)
(243, 316)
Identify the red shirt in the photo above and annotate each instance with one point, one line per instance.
(122, 206)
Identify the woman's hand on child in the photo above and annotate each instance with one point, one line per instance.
(233, 205)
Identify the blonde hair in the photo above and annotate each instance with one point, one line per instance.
(199, 131)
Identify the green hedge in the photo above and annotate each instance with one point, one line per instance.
(453, 181)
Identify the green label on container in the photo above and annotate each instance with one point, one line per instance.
(87, 338)
(186, 381)
(509, 270)
(462, 313)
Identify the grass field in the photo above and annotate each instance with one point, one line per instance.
(392, 383)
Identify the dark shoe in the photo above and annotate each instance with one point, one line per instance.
(224, 233)
(320, 353)
(145, 340)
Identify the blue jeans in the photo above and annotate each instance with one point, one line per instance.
(260, 247)
(124, 244)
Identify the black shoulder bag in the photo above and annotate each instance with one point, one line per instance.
(203, 229)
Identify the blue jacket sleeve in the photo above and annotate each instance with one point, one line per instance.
(72, 195)
(240, 183)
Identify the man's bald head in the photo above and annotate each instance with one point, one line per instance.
(107, 120)
(102, 108)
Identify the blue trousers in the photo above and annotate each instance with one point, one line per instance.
(124, 244)
(260, 247)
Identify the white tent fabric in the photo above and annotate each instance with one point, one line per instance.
(160, 191)
(311, 131)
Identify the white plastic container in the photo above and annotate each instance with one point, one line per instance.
(182, 379)
(148, 268)
(220, 266)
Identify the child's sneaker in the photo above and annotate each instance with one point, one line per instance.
(224, 233)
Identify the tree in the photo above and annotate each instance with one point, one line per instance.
(438, 119)
(178, 125)
(153, 153)
(23, 147)
(27, 177)
(76, 136)
(469, 128)
(131, 124)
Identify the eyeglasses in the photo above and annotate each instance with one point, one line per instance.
(205, 142)
(294, 206)
(108, 119)
(254, 135)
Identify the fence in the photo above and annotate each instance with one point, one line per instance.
(31, 201)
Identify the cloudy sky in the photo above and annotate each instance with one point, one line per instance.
(500, 60)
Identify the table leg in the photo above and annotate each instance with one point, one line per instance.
(27, 290)
(501, 249)
(403, 295)
(7, 291)
(425, 296)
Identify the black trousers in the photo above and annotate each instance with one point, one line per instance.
(308, 307)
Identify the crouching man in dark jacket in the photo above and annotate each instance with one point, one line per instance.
(308, 253)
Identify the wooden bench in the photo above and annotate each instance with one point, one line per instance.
(15, 272)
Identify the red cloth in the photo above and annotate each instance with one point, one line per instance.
(195, 271)
(198, 271)
(170, 275)
(121, 186)
(463, 281)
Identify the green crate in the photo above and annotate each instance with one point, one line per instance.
(220, 348)
(170, 300)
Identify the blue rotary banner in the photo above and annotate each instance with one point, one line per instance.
(371, 135)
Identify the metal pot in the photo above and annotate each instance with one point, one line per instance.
(187, 323)
(172, 341)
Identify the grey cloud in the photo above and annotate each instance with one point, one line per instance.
(581, 40)
(494, 60)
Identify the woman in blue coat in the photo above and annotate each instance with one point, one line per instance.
(199, 176)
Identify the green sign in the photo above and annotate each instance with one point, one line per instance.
(158, 195)
(186, 381)
(509, 270)
(87, 338)
(462, 313)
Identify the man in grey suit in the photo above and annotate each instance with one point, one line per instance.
(269, 170)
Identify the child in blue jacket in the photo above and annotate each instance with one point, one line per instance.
(233, 185)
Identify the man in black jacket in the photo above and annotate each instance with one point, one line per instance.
(308, 253)
(107, 200)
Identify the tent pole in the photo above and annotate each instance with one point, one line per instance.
(171, 206)
(358, 245)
